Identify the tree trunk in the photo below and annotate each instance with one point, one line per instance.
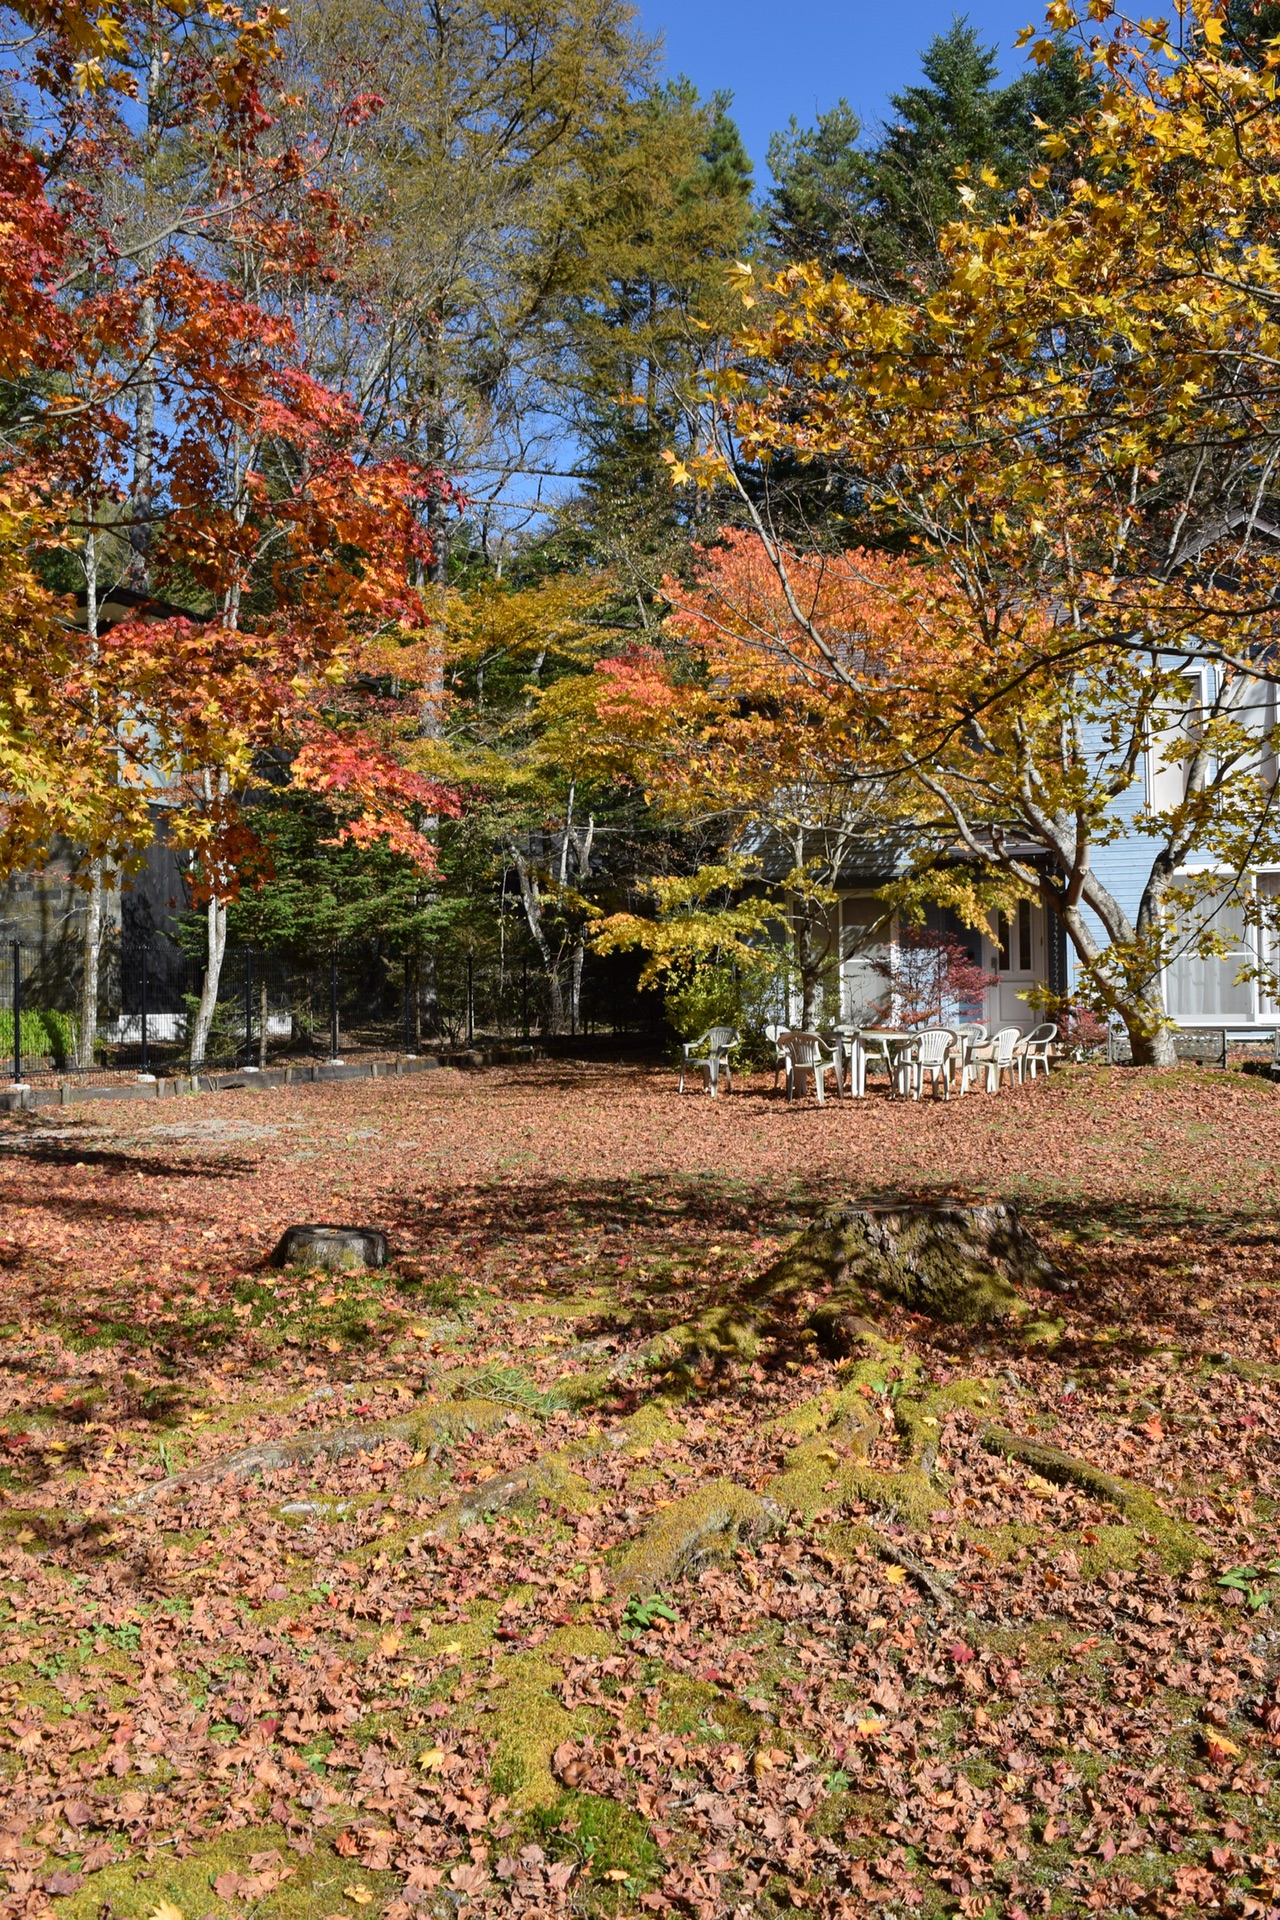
(1139, 1006)
(427, 999)
(575, 987)
(92, 951)
(216, 946)
(532, 902)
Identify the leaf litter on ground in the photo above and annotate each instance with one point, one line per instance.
(408, 1677)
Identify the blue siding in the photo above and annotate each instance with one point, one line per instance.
(1123, 865)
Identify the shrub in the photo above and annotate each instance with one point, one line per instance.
(935, 980)
(46, 1035)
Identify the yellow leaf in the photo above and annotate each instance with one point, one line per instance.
(454, 1647)
(865, 1728)
(896, 1576)
(432, 1760)
(165, 1911)
(1213, 32)
(1036, 1483)
(361, 1895)
(389, 1645)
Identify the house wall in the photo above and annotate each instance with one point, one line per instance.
(1123, 865)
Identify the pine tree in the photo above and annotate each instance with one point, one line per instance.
(818, 208)
(874, 212)
(665, 213)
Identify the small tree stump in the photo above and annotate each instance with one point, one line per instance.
(332, 1247)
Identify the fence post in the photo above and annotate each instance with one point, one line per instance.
(333, 1006)
(146, 1064)
(248, 1008)
(471, 1002)
(408, 1012)
(17, 1014)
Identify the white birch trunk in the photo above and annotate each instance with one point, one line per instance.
(91, 956)
(91, 948)
(215, 949)
(216, 946)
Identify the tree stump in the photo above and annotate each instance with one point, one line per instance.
(953, 1262)
(332, 1247)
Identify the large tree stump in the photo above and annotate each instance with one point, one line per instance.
(958, 1263)
(954, 1262)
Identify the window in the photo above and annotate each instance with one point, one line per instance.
(1204, 987)
(1024, 935)
(863, 936)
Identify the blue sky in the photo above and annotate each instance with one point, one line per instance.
(784, 57)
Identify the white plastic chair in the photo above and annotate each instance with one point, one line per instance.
(805, 1053)
(1000, 1055)
(1034, 1051)
(969, 1035)
(774, 1032)
(931, 1053)
(711, 1053)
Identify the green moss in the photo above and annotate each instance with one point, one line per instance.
(607, 1836)
(686, 1705)
(579, 1643)
(706, 1524)
(1043, 1332)
(527, 1725)
(652, 1425)
(1255, 1370)
(314, 1887)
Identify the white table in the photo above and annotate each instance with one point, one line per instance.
(885, 1043)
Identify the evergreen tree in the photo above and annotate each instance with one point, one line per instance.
(818, 207)
(875, 212)
(667, 210)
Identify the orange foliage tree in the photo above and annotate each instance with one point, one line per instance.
(768, 721)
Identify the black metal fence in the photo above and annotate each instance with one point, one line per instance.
(152, 1015)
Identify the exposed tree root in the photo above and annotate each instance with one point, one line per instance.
(703, 1526)
(432, 1426)
(1177, 1542)
(928, 1582)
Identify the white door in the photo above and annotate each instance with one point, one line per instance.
(1018, 956)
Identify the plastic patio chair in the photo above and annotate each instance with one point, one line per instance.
(969, 1034)
(1000, 1055)
(773, 1032)
(931, 1053)
(711, 1053)
(806, 1053)
(1034, 1051)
